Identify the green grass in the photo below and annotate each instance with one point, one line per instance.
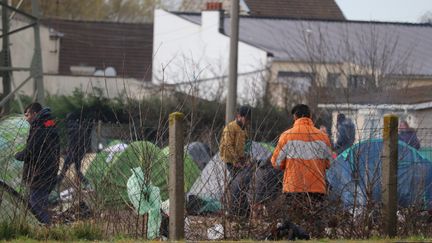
(86, 231)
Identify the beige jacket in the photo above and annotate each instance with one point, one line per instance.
(232, 143)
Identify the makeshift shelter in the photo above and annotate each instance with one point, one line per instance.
(13, 135)
(112, 185)
(210, 184)
(100, 163)
(356, 173)
(190, 169)
(200, 153)
(267, 180)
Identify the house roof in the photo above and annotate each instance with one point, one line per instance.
(312, 9)
(410, 97)
(124, 46)
(407, 48)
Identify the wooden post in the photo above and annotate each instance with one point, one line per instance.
(176, 177)
(389, 174)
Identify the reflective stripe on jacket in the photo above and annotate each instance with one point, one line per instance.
(232, 143)
(304, 153)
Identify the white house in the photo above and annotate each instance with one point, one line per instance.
(194, 58)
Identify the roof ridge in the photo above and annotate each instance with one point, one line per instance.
(92, 21)
(337, 20)
(315, 19)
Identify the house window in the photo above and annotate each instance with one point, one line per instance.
(334, 80)
(297, 81)
(360, 82)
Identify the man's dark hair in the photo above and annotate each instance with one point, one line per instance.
(33, 107)
(340, 117)
(301, 110)
(245, 111)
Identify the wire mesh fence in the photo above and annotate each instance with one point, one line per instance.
(117, 177)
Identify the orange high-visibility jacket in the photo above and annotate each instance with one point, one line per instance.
(304, 153)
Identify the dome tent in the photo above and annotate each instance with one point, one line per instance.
(101, 161)
(359, 168)
(13, 134)
(144, 154)
(191, 171)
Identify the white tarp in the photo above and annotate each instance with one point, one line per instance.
(210, 184)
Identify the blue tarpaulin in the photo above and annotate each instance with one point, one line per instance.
(355, 175)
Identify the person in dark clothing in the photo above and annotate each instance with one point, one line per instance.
(79, 141)
(408, 135)
(345, 133)
(41, 159)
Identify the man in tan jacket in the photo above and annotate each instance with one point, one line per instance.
(232, 152)
(233, 141)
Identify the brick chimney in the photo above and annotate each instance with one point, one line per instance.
(213, 6)
(213, 10)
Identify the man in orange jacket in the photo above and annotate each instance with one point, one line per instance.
(304, 153)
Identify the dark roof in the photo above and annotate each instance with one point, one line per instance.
(405, 96)
(405, 46)
(124, 46)
(310, 9)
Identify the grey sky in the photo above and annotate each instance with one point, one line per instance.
(385, 10)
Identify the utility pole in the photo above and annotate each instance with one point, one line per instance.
(5, 57)
(233, 61)
(36, 65)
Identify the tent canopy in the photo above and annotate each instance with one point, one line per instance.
(356, 173)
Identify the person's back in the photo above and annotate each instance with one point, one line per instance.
(304, 157)
(79, 139)
(303, 153)
(345, 134)
(408, 135)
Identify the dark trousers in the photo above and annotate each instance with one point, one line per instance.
(73, 157)
(238, 188)
(39, 203)
(307, 210)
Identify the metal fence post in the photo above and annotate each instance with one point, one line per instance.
(389, 174)
(176, 176)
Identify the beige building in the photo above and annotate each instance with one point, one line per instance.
(86, 55)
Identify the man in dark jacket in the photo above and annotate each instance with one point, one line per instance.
(41, 159)
(345, 133)
(79, 140)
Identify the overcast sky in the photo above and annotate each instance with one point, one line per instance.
(385, 10)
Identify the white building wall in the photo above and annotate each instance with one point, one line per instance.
(111, 87)
(195, 58)
(22, 50)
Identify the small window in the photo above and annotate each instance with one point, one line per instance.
(334, 80)
(360, 82)
(297, 81)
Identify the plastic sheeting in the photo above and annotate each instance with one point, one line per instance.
(359, 168)
(146, 199)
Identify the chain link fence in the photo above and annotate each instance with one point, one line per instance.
(118, 179)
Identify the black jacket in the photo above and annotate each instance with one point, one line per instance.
(345, 135)
(42, 152)
(79, 135)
